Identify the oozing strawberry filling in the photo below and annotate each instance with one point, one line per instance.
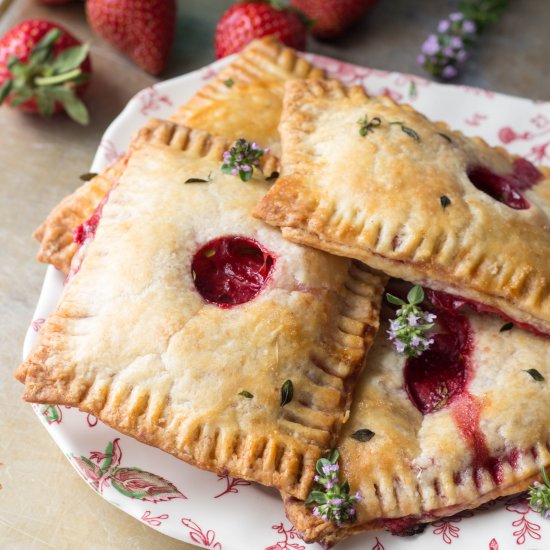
(506, 189)
(84, 234)
(451, 303)
(231, 270)
(439, 375)
(87, 229)
(439, 378)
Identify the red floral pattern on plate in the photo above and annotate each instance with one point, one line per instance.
(231, 484)
(378, 545)
(525, 528)
(109, 151)
(208, 539)
(102, 469)
(37, 324)
(51, 413)
(446, 527)
(287, 536)
(155, 521)
(151, 100)
(493, 544)
(91, 420)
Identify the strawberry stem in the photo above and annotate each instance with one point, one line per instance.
(57, 79)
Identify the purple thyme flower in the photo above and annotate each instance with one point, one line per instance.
(431, 45)
(449, 72)
(443, 25)
(456, 42)
(242, 158)
(469, 27)
(408, 330)
(413, 319)
(443, 54)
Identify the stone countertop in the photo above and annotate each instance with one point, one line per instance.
(43, 502)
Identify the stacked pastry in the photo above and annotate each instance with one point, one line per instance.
(234, 322)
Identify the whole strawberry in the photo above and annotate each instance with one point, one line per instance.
(44, 69)
(143, 30)
(246, 21)
(332, 17)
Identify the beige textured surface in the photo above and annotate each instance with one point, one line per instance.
(43, 502)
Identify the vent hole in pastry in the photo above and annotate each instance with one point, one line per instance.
(229, 271)
(506, 188)
(440, 374)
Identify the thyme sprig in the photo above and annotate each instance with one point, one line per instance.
(539, 496)
(242, 158)
(408, 330)
(445, 51)
(366, 125)
(334, 503)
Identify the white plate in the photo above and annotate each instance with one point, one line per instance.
(220, 512)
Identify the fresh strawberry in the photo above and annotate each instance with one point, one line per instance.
(143, 30)
(44, 69)
(332, 17)
(246, 21)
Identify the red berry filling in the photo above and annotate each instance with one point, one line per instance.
(506, 189)
(439, 378)
(231, 270)
(439, 375)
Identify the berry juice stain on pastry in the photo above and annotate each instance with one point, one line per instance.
(439, 378)
(506, 188)
(231, 270)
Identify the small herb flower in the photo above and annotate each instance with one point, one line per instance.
(445, 52)
(408, 329)
(332, 497)
(539, 496)
(242, 158)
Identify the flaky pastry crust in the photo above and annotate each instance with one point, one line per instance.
(418, 468)
(135, 344)
(378, 198)
(243, 100)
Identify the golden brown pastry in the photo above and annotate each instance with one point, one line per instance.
(376, 181)
(462, 424)
(195, 328)
(244, 100)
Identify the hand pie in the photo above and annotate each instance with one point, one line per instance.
(372, 180)
(460, 425)
(246, 97)
(244, 100)
(195, 328)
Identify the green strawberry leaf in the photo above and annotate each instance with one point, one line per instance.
(49, 39)
(72, 104)
(20, 95)
(45, 102)
(71, 58)
(16, 68)
(5, 90)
